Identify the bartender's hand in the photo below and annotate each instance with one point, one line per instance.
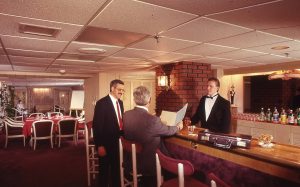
(180, 125)
(187, 121)
(101, 151)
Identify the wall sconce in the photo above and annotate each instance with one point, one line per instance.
(163, 81)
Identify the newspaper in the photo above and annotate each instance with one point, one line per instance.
(173, 118)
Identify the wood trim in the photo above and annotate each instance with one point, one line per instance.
(247, 157)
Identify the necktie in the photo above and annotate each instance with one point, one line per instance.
(119, 116)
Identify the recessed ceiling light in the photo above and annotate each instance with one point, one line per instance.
(91, 50)
(62, 71)
(282, 47)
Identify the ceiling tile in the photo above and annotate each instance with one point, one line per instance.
(109, 36)
(270, 15)
(293, 46)
(3, 59)
(210, 60)
(86, 63)
(251, 39)
(10, 26)
(139, 17)
(30, 64)
(163, 44)
(172, 57)
(204, 7)
(205, 30)
(29, 68)
(1, 51)
(69, 11)
(109, 49)
(206, 49)
(294, 54)
(33, 60)
(238, 63)
(79, 57)
(5, 67)
(239, 54)
(30, 53)
(119, 60)
(269, 59)
(138, 53)
(33, 44)
(292, 32)
(222, 66)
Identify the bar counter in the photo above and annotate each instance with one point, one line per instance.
(276, 166)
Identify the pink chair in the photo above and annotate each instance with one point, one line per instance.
(132, 148)
(216, 181)
(183, 168)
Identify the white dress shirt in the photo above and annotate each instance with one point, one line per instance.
(209, 103)
(114, 100)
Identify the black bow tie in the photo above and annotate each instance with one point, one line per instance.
(211, 97)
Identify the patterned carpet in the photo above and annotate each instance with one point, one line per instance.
(45, 167)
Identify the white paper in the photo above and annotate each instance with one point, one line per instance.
(173, 118)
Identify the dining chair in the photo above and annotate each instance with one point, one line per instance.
(131, 148)
(66, 129)
(92, 161)
(13, 130)
(42, 130)
(216, 181)
(80, 129)
(183, 168)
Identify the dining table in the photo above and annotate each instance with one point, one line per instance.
(27, 128)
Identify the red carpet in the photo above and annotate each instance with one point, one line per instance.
(45, 167)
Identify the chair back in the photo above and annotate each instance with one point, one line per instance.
(12, 128)
(216, 181)
(42, 128)
(33, 115)
(171, 164)
(67, 126)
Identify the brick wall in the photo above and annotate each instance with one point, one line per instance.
(188, 82)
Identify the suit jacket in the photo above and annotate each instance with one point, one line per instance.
(146, 129)
(219, 118)
(105, 124)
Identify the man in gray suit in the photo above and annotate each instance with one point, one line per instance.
(146, 129)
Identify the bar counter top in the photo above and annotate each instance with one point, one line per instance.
(280, 160)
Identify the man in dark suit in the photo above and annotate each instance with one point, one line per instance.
(213, 111)
(146, 129)
(107, 126)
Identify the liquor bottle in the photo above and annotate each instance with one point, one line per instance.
(298, 117)
(275, 115)
(283, 117)
(262, 115)
(291, 118)
(268, 115)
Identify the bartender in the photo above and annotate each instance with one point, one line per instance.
(213, 111)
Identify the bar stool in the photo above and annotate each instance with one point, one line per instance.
(91, 154)
(216, 181)
(133, 148)
(183, 168)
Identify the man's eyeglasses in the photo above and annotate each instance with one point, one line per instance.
(120, 90)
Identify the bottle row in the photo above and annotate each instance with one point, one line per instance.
(283, 117)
